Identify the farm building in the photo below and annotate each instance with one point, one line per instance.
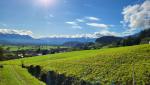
(145, 40)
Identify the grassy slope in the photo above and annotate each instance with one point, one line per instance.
(15, 75)
(105, 65)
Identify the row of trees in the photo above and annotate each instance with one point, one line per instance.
(6, 54)
(142, 38)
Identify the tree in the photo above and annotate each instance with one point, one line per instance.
(130, 41)
(145, 33)
(44, 52)
(38, 50)
(1, 53)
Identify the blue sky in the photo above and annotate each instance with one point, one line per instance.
(64, 17)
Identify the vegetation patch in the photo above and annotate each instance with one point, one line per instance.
(53, 78)
(122, 65)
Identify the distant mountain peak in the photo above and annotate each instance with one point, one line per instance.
(6, 38)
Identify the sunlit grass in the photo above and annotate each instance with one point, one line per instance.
(103, 65)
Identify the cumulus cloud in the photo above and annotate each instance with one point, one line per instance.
(12, 31)
(137, 16)
(98, 25)
(92, 18)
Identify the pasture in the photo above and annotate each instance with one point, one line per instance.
(119, 65)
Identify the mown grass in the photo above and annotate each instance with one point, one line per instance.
(113, 65)
(15, 75)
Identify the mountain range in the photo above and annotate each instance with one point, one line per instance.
(17, 39)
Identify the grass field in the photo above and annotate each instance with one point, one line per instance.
(118, 65)
(15, 75)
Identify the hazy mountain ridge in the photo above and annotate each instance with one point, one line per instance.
(26, 39)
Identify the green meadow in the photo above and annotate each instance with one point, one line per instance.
(15, 75)
(107, 66)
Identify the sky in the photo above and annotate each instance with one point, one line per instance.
(74, 18)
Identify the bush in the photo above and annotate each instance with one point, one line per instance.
(1, 66)
(1, 53)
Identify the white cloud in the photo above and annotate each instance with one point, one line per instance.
(106, 33)
(80, 20)
(12, 31)
(92, 18)
(94, 35)
(90, 21)
(98, 25)
(137, 16)
(72, 23)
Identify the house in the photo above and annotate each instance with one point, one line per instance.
(145, 40)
